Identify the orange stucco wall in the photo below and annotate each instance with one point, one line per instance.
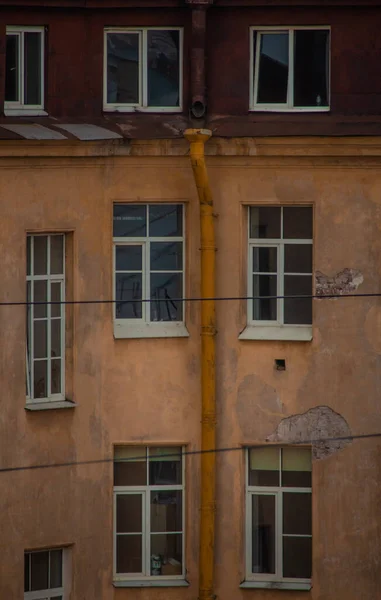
(148, 390)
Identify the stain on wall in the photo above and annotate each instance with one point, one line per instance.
(344, 282)
(319, 423)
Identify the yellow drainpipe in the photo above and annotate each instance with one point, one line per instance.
(197, 139)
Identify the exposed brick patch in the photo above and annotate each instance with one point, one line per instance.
(345, 282)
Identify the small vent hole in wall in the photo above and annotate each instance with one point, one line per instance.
(280, 364)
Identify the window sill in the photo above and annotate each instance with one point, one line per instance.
(142, 109)
(126, 583)
(276, 585)
(299, 109)
(281, 333)
(150, 330)
(50, 405)
(25, 112)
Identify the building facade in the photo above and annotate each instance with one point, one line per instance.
(101, 298)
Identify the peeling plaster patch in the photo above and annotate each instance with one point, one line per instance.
(317, 423)
(345, 282)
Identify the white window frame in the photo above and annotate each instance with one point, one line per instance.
(277, 491)
(144, 327)
(48, 594)
(144, 491)
(55, 278)
(254, 70)
(142, 105)
(275, 329)
(19, 107)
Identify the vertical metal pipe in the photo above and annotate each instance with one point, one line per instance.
(197, 139)
(198, 103)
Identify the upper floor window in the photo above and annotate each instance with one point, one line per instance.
(290, 69)
(279, 517)
(149, 268)
(24, 70)
(43, 575)
(143, 69)
(45, 352)
(148, 513)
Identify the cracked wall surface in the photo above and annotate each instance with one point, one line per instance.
(345, 282)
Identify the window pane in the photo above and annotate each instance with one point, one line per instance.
(165, 466)
(123, 68)
(128, 296)
(311, 64)
(40, 331)
(28, 255)
(12, 69)
(163, 64)
(273, 68)
(40, 379)
(165, 220)
(40, 254)
(32, 68)
(165, 287)
(166, 554)
(166, 256)
(296, 467)
(55, 349)
(128, 258)
(263, 533)
(298, 311)
(265, 222)
(55, 375)
(297, 518)
(129, 554)
(265, 260)
(26, 572)
(129, 513)
(166, 511)
(264, 466)
(298, 258)
(129, 220)
(56, 254)
(266, 309)
(55, 296)
(297, 557)
(297, 223)
(55, 569)
(132, 468)
(39, 568)
(40, 295)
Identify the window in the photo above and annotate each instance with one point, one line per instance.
(279, 520)
(149, 265)
(45, 318)
(148, 513)
(290, 69)
(43, 575)
(280, 264)
(24, 70)
(143, 69)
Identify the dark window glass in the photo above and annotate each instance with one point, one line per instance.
(163, 62)
(128, 258)
(12, 69)
(264, 466)
(129, 220)
(55, 569)
(265, 260)
(32, 68)
(40, 255)
(166, 554)
(40, 295)
(129, 554)
(166, 511)
(297, 557)
(165, 289)
(311, 49)
(26, 572)
(129, 513)
(123, 68)
(273, 68)
(297, 518)
(265, 222)
(298, 258)
(166, 256)
(56, 377)
(165, 466)
(296, 467)
(165, 220)
(265, 309)
(263, 533)
(128, 296)
(40, 379)
(297, 311)
(39, 570)
(130, 466)
(56, 254)
(297, 222)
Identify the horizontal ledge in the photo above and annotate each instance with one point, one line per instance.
(50, 405)
(25, 112)
(151, 583)
(276, 585)
(281, 333)
(150, 330)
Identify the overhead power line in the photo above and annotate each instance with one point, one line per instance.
(310, 442)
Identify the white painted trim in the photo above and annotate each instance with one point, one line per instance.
(49, 405)
(142, 106)
(276, 585)
(163, 582)
(149, 330)
(291, 333)
(25, 112)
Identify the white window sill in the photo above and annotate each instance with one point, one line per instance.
(126, 583)
(277, 585)
(149, 330)
(25, 112)
(50, 405)
(286, 109)
(281, 333)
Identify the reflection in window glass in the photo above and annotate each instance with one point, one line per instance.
(24, 76)
(163, 64)
(311, 49)
(12, 68)
(273, 68)
(123, 68)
